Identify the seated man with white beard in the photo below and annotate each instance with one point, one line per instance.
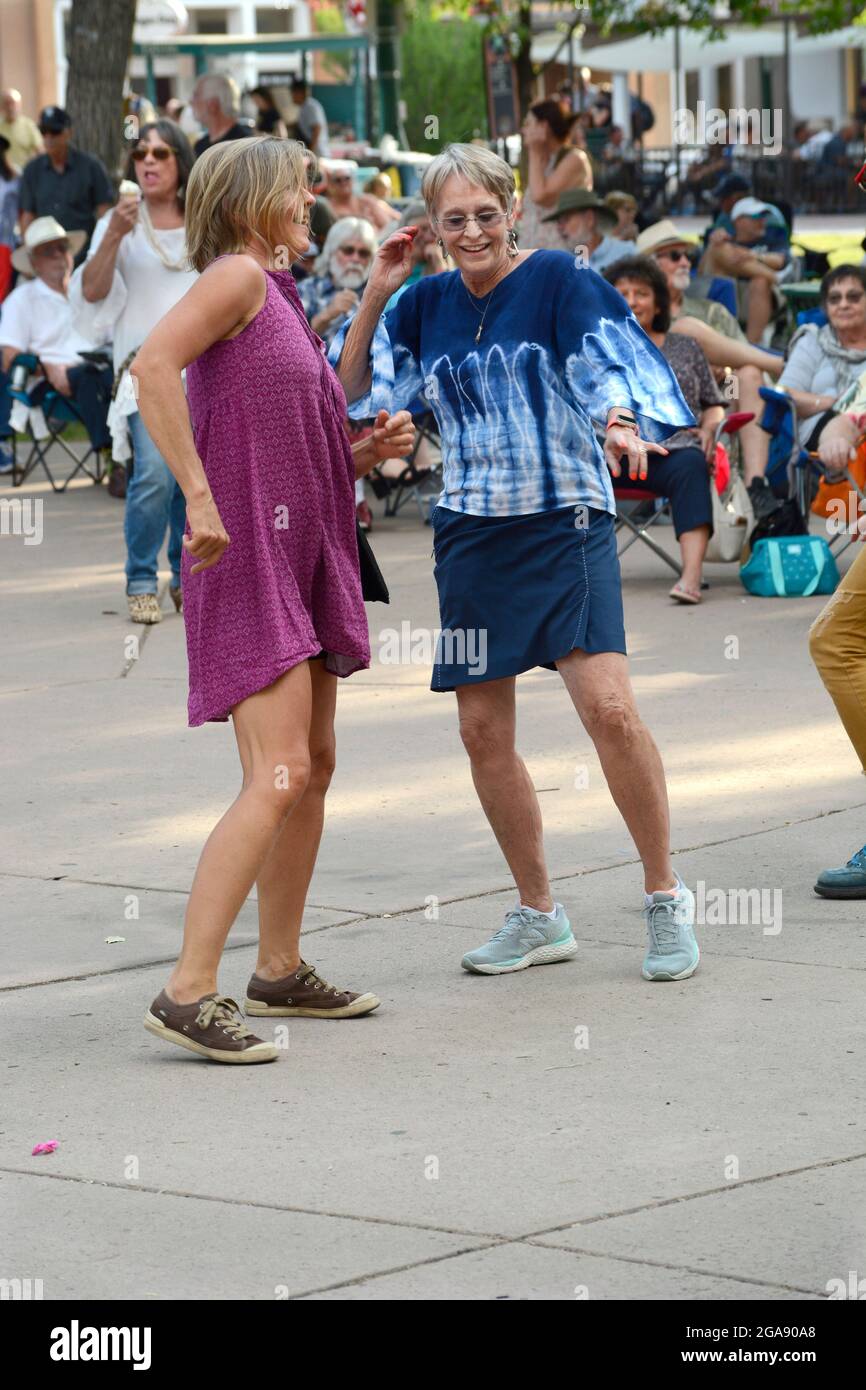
(331, 293)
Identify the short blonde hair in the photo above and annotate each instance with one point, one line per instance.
(239, 187)
(477, 165)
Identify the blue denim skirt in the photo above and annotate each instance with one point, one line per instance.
(522, 591)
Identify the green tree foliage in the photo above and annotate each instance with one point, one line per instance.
(441, 65)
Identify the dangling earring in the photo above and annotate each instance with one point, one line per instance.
(440, 243)
(513, 248)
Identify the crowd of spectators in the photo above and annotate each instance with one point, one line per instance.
(95, 270)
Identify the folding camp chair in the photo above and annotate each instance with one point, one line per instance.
(44, 416)
(638, 522)
(421, 485)
(793, 471)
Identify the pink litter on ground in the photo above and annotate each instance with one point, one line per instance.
(46, 1148)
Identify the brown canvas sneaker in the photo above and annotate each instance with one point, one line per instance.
(211, 1026)
(305, 995)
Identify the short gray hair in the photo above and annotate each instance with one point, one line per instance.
(218, 86)
(477, 165)
(341, 231)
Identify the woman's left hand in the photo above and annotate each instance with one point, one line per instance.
(393, 435)
(707, 437)
(619, 442)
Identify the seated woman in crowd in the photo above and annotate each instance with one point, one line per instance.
(824, 363)
(556, 164)
(684, 475)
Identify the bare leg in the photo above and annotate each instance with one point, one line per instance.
(488, 725)
(693, 546)
(759, 306)
(284, 879)
(755, 442)
(728, 352)
(601, 692)
(272, 731)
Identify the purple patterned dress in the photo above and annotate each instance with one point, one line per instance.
(267, 415)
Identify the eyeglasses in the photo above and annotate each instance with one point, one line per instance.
(852, 297)
(160, 152)
(361, 253)
(485, 221)
(675, 255)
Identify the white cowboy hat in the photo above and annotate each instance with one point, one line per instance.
(41, 231)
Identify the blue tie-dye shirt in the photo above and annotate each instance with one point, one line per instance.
(515, 412)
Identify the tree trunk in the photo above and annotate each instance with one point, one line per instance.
(525, 79)
(100, 42)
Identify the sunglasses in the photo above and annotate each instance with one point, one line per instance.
(852, 297)
(361, 252)
(675, 255)
(160, 152)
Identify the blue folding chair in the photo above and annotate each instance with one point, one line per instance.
(791, 469)
(58, 412)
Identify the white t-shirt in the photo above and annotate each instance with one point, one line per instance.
(142, 292)
(312, 113)
(35, 318)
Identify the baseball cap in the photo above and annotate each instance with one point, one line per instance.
(730, 183)
(750, 207)
(54, 119)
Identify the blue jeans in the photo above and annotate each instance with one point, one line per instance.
(154, 502)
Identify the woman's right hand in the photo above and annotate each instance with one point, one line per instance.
(208, 538)
(124, 216)
(393, 262)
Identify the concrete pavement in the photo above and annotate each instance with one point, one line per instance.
(566, 1132)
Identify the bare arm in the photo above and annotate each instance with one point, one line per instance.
(392, 264)
(808, 403)
(99, 269)
(225, 298)
(24, 220)
(727, 352)
(838, 440)
(545, 189)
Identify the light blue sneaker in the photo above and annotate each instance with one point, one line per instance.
(672, 951)
(526, 938)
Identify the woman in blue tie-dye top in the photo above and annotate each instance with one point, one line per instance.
(527, 359)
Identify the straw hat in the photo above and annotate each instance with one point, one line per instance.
(39, 233)
(661, 235)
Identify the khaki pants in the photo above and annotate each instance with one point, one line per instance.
(837, 642)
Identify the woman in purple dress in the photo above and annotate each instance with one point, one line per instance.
(272, 592)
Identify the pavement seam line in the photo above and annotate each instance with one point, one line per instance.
(686, 1269)
(696, 1196)
(148, 628)
(485, 892)
(563, 1250)
(150, 1190)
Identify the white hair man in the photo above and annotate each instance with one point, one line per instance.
(216, 102)
(333, 292)
(339, 274)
